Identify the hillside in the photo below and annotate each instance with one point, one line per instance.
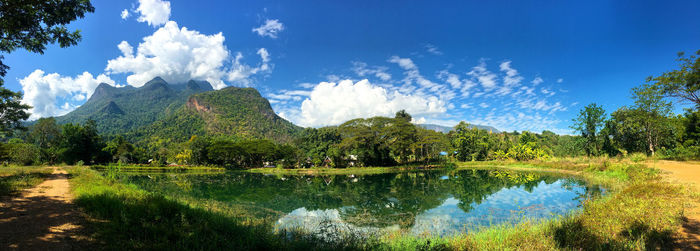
(231, 112)
(446, 129)
(119, 110)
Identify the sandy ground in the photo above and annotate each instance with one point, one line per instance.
(689, 173)
(43, 218)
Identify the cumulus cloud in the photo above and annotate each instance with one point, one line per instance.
(270, 28)
(332, 104)
(125, 14)
(179, 54)
(55, 95)
(153, 12)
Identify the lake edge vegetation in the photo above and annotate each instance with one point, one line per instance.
(651, 215)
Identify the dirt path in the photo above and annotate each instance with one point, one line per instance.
(689, 173)
(43, 218)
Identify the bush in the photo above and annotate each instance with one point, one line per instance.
(22, 153)
(638, 157)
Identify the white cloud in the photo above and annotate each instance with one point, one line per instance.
(153, 12)
(240, 73)
(362, 70)
(486, 78)
(511, 80)
(125, 14)
(450, 78)
(537, 81)
(560, 80)
(307, 85)
(484, 105)
(413, 76)
(333, 104)
(270, 28)
(432, 49)
(46, 92)
(179, 54)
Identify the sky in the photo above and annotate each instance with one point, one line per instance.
(525, 65)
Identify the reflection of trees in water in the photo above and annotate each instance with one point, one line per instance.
(365, 200)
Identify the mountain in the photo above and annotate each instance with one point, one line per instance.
(120, 110)
(446, 129)
(231, 112)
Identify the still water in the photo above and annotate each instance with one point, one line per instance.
(425, 202)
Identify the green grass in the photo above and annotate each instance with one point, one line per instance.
(14, 179)
(640, 211)
(341, 171)
(159, 168)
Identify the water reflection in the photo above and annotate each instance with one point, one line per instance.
(432, 202)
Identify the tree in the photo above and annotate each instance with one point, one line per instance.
(120, 150)
(82, 143)
(47, 136)
(470, 143)
(30, 25)
(652, 114)
(402, 134)
(589, 122)
(682, 84)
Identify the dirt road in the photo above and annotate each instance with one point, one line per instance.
(43, 218)
(689, 173)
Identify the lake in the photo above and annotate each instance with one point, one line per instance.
(418, 202)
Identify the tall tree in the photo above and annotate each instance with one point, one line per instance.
(683, 84)
(589, 122)
(402, 135)
(31, 25)
(47, 136)
(653, 112)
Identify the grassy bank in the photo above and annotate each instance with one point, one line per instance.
(136, 168)
(640, 211)
(343, 171)
(13, 179)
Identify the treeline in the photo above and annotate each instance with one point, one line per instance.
(48, 143)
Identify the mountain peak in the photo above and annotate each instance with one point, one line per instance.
(155, 83)
(103, 90)
(199, 86)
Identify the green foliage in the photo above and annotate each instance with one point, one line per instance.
(367, 139)
(645, 127)
(682, 84)
(82, 143)
(589, 122)
(470, 143)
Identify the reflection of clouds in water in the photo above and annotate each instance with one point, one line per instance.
(326, 224)
(506, 205)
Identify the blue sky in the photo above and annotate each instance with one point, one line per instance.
(528, 65)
